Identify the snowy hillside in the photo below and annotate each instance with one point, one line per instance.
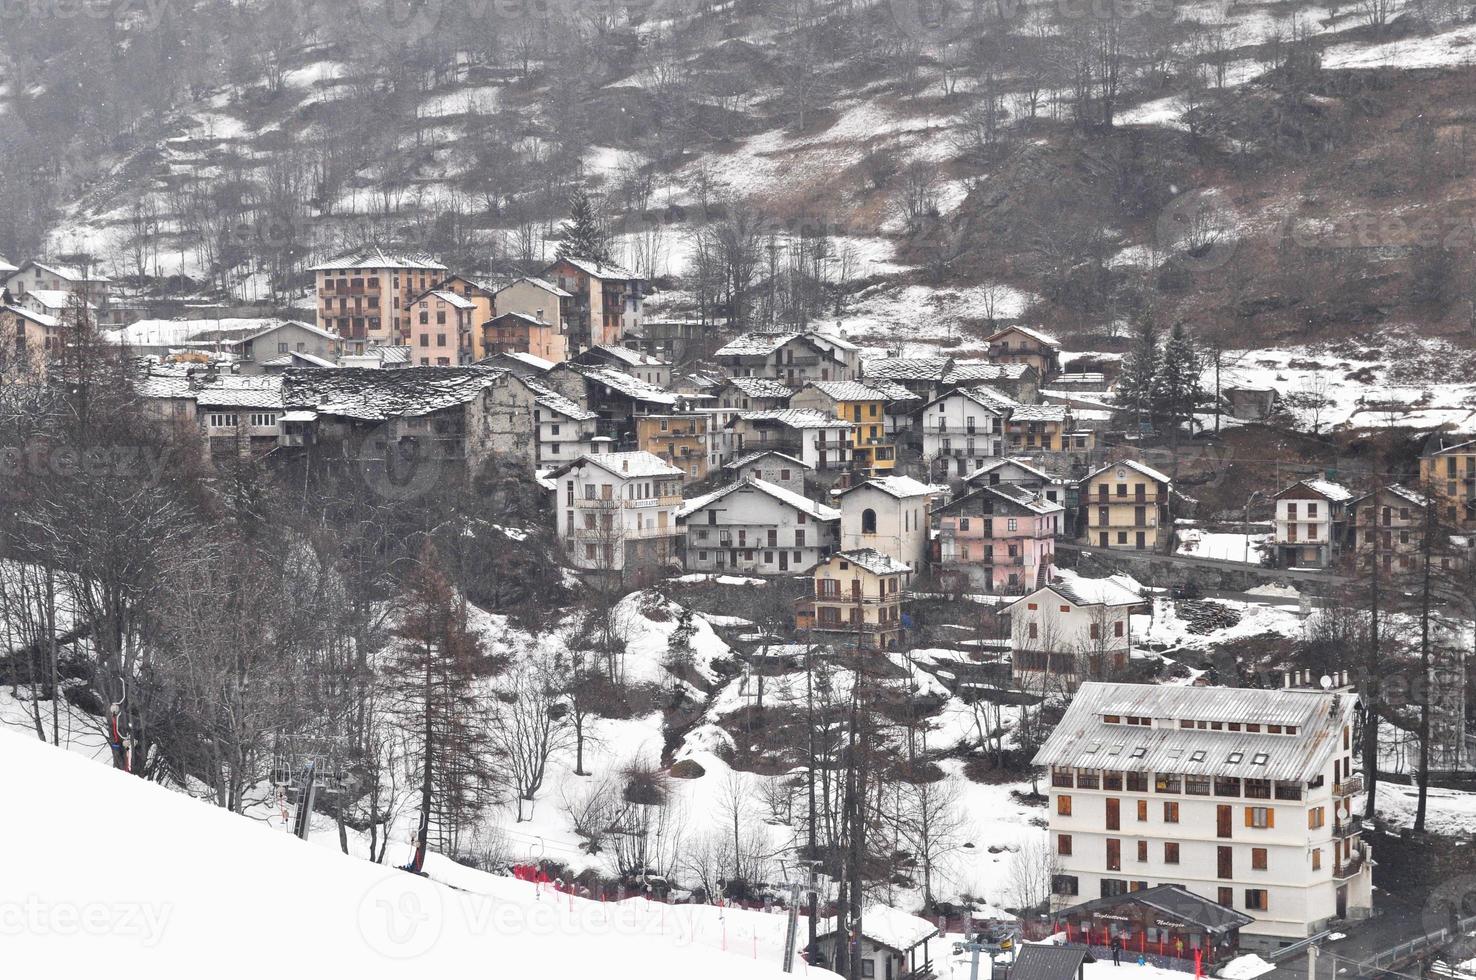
(154, 883)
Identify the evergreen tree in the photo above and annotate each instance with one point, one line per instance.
(1180, 388)
(1139, 384)
(582, 236)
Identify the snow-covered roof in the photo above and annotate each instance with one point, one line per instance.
(6, 267)
(631, 386)
(634, 465)
(1132, 464)
(378, 259)
(761, 387)
(600, 270)
(796, 418)
(455, 300)
(532, 360)
(1040, 413)
(891, 390)
(984, 396)
(896, 930)
(847, 391)
(370, 394)
(1010, 494)
(905, 368)
(56, 299)
(179, 333)
(1400, 491)
(298, 357)
(817, 511)
(241, 391)
(1335, 492)
(755, 344)
(1115, 590)
(543, 284)
(964, 372)
(44, 319)
(555, 402)
(901, 487)
(839, 343)
(520, 315)
(1039, 336)
(1020, 462)
(68, 272)
(629, 356)
(1084, 739)
(744, 461)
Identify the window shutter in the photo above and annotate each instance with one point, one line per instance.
(1249, 822)
(1270, 818)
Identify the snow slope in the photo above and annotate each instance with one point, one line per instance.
(125, 873)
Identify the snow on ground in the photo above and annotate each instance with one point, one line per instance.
(195, 881)
(1246, 967)
(1222, 546)
(923, 313)
(1450, 811)
(1448, 49)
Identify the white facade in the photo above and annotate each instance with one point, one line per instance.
(1310, 522)
(1065, 629)
(891, 515)
(963, 431)
(618, 510)
(758, 528)
(1242, 797)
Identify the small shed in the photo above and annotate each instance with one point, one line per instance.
(893, 943)
(1045, 962)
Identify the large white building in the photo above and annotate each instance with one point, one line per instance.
(1072, 628)
(617, 511)
(964, 429)
(1241, 796)
(757, 527)
(891, 515)
(1311, 523)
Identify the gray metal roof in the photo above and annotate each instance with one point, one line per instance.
(1050, 962)
(1176, 901)
(1083, 740)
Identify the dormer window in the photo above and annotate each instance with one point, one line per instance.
(1197, 756)
(1235, 757)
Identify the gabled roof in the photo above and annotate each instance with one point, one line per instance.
(1009, 494)
(846, 391)
(755, 344)
(1443, 442)
(1045, 962)
(901, 487)
(527, 318)
(302, 358)
(598, 270)
(522, 357)
(630, 386)
(56, 299)
(995, 402)
(1082, 739)
(1177, 903)
(966, 372)
(7, 267)
(1040, 413)
(627, 355)
(744, 461)
(761, 387)
(632, 465)
(67, 272)
(553, 401)
(378, 259)
(44, 319)
(456, 300)
(1132, 464)
(369, 394)
(1002, 461)
(795, 418)
(889, 927)
(787, 497)
(1398, 490)
(905, 368)
(834, 340)
(891, 390)
(242, 391)
(1328, 490)
(1036, 335)
(1111, 591)
(543, 284)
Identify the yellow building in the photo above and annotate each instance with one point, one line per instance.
(1040, 429)
(859, 594)
(1448, 472)
(863, 406)
(1126, 506)
(680, 440)
(480, 297)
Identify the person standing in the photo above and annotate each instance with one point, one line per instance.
(1117, 951)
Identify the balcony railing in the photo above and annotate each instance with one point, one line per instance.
(1348, 868)
(1347, 827)
(1349, 786)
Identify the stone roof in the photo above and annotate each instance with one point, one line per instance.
(371, 395)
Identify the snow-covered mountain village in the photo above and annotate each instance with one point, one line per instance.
(900, 491)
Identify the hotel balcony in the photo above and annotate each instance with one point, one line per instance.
(1344, 868)
(1349, 786)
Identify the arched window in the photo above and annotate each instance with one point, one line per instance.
(868, 521)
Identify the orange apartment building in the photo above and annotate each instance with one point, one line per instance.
(522, 333)
(680, 440)
(364, 298)
(481, 298)
(440, 329)
(604, 304)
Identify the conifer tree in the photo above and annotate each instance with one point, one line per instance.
(582, 236)
(1138, 386)
(1180, 388)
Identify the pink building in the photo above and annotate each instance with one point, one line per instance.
(997, 539)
